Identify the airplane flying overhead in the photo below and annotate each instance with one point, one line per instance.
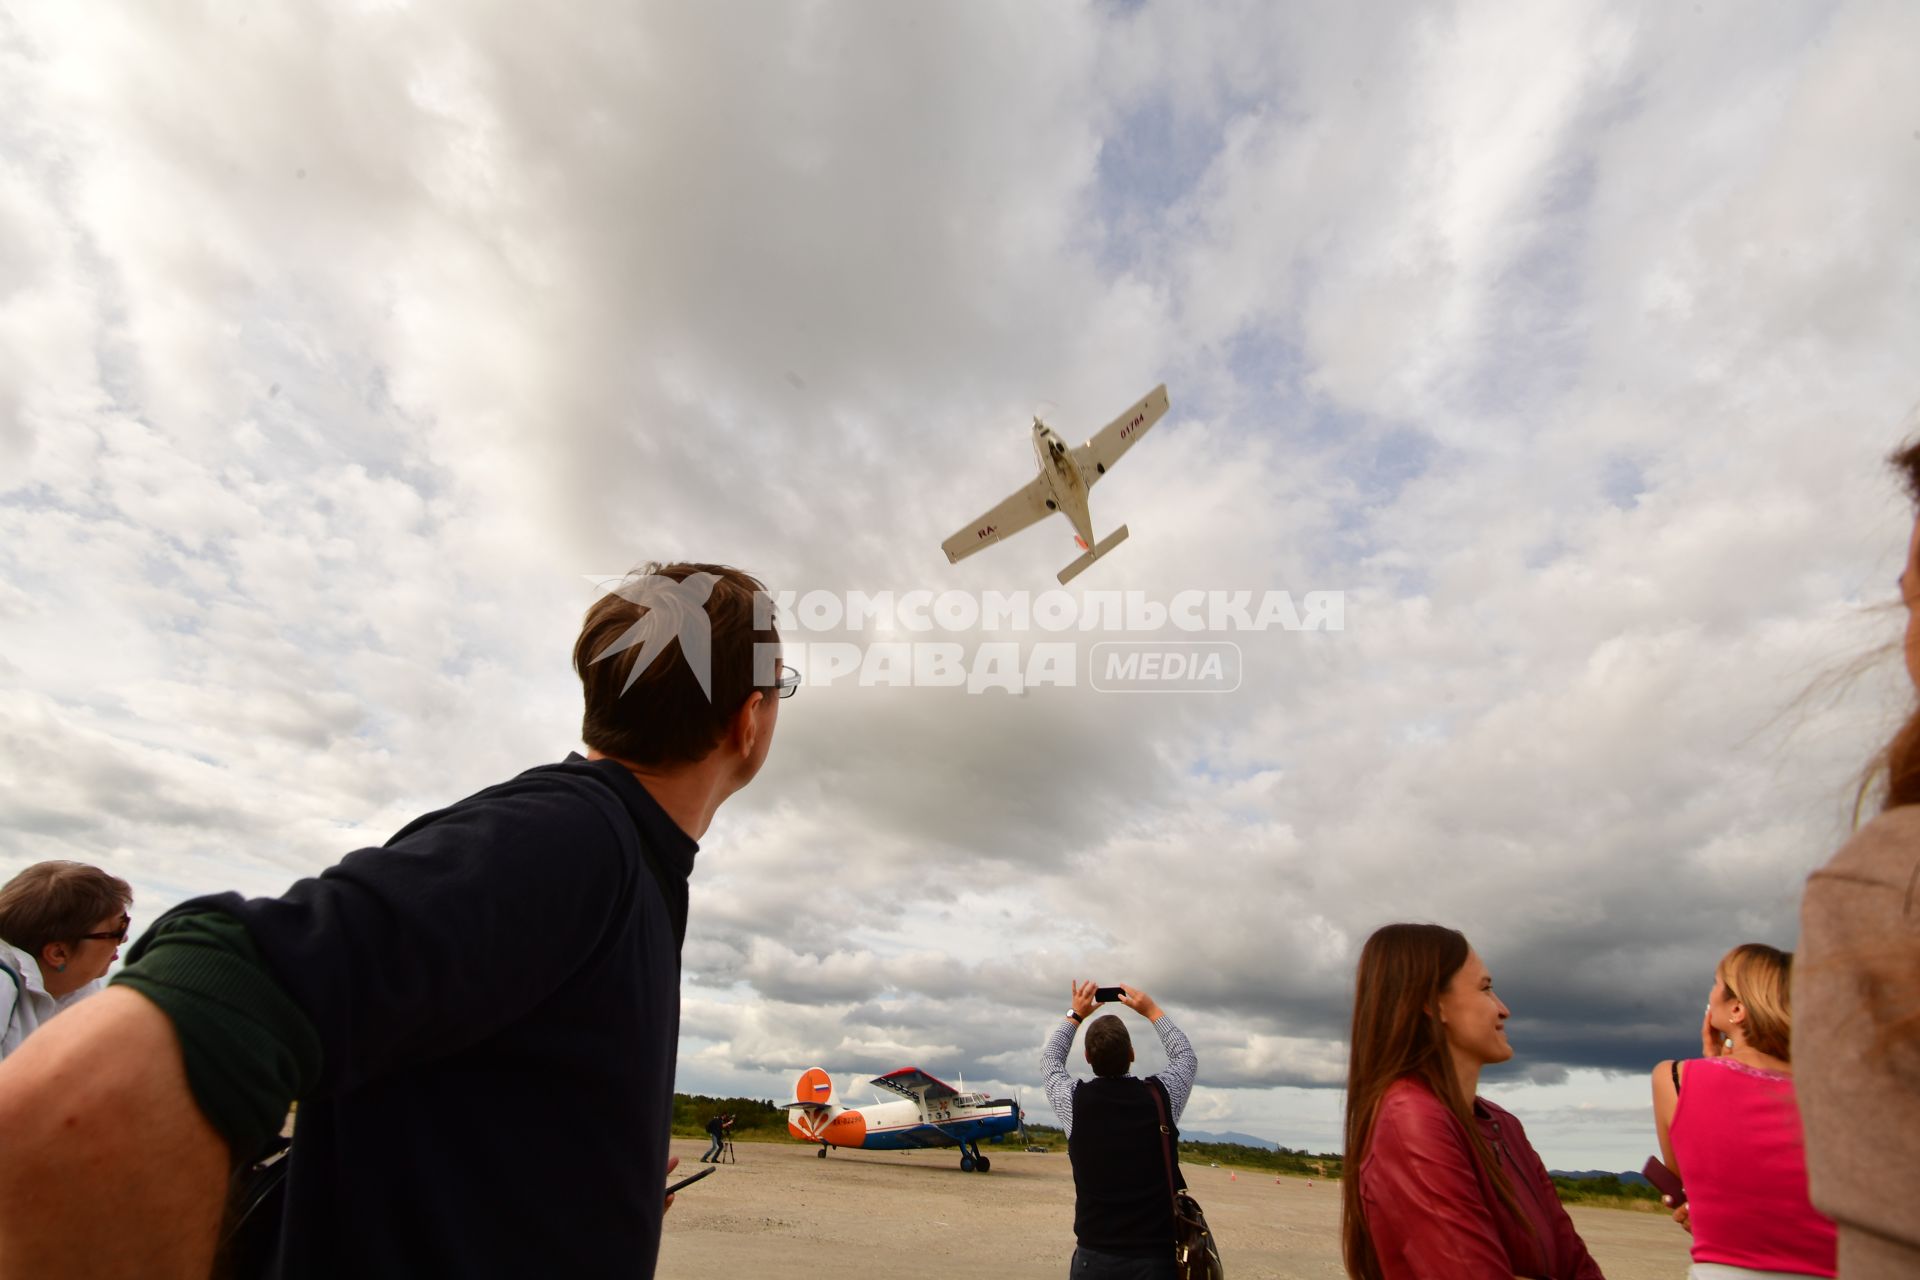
(930, 1114)
(1065, 477)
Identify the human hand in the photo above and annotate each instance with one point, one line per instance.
(1140, 1002)
(1680, 1215)
(673, 1162)
(1083, 1001)
(1712, 1043)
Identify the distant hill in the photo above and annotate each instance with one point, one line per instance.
(1629, 1179)
(1229, 1138)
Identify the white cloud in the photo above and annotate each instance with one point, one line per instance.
(335, 346)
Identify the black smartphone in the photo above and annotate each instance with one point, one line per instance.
(1665, 1181)
(684, 1183)
(1108, 995)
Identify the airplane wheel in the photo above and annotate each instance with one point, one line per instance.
(966, 1164)
(822, 1153)
(983, 1164)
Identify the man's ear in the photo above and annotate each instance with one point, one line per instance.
(743, 731)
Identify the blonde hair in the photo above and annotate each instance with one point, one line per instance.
(1759, 977)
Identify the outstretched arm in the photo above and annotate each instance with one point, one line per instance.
(1183, 1068)
(108, 1166)
(1053, 1058)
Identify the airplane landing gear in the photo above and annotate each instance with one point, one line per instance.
(982, 1164)
(971, 1161)
(822, 1153)
(966, 1164)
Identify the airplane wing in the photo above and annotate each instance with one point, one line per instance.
(912, 1082)
(1010, 517)
(1097, 456)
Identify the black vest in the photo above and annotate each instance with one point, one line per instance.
(1121, 1200)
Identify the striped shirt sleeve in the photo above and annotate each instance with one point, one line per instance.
(1183, 1068)
(1053, 1072)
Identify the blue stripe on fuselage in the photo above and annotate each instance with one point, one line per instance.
(946, 1134)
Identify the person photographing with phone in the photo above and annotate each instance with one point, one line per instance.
(1122, 1214)
(1729, 1128)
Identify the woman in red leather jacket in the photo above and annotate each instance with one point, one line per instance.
(1441, 1184)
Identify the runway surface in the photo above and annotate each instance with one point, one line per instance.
(781, 1212)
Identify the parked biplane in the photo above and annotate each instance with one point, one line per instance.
(930, 1113)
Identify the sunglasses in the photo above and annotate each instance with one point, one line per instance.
(121, 936)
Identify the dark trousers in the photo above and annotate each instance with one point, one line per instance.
(712, 1151)
(1090, 1264)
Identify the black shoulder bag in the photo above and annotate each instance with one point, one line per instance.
(1195, 1256)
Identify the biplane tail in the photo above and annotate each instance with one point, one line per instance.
(813, 1107)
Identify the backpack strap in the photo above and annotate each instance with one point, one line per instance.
(1674, 1066)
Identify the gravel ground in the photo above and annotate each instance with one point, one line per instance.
(783, 1212)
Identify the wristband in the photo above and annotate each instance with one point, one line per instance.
(1073, 1016)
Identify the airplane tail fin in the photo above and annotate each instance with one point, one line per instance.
(814, 1088)
(1100, 548)
(812, 1108)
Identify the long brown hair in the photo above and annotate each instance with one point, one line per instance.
(1897, 766)
(1888, 973)
(1397, 1035)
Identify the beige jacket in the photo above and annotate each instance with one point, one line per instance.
(1859, 1097)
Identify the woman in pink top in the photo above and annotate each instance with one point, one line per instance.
(1730, 1128)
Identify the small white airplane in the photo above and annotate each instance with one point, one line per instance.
(931, 1113)
(1065, 477)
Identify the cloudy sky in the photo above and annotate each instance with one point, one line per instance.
(340, 344)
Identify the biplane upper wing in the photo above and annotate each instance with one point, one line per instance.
(912, 1082)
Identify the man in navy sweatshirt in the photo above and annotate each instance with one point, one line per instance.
(479, 1018)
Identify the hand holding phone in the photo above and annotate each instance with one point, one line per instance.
(1665, 1181)
(687, 1182)
(1108, 995)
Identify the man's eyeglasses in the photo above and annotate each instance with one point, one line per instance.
(121, 936)
(787, 683)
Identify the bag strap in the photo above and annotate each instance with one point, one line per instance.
(1159, 1093)
(1674, 1066)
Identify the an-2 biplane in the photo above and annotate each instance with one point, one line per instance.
(930, 1113)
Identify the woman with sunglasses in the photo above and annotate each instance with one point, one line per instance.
(61, 926)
